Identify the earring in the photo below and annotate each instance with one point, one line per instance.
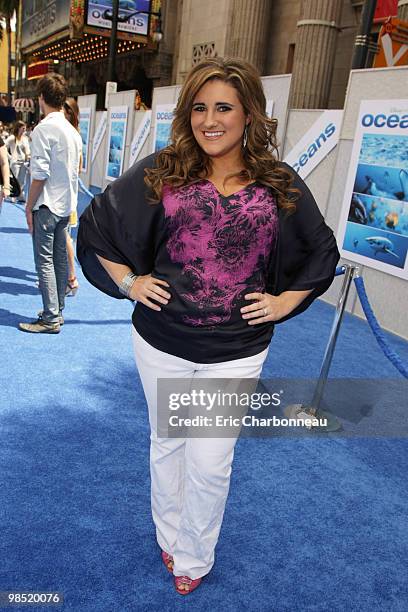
(245, 140)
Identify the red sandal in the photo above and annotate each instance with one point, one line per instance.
(185, 585)
(168, 561)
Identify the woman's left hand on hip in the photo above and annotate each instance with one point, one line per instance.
(266, 308)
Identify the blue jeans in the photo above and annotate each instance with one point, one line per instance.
(50, 256)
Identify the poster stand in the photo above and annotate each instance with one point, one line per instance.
(87, 104)
(120, 99)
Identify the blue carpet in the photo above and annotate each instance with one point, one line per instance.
(310, 524)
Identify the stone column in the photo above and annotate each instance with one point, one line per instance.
(314, 53)
(403, 10)
(248, 35)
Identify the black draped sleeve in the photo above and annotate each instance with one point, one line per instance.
(306, 255)
(121, 226)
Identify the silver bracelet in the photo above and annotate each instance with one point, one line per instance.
(126, 283)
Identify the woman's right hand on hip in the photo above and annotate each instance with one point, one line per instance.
(147, 288)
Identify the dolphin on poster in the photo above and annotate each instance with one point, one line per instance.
(358, 212)
(373, 189)
(403, 175)
(381, 245)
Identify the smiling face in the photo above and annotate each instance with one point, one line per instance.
(218, 120)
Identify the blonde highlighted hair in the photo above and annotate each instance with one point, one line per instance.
(183, 161)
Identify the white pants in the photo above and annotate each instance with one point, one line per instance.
(189, 476)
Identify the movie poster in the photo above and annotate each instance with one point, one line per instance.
(84, 128)
(99, 133)
(373, 227)
(140, 137)
(116, 141)
(316, 144)
(162, 127)
(131, 18)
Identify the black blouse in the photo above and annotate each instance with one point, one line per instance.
(212, 250)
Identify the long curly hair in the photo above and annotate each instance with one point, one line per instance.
(184, 162)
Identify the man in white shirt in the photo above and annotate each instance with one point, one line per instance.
(55, 156)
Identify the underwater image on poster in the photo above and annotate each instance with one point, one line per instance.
(377, 222)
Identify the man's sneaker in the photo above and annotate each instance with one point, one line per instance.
(40, 327)
(60, 317)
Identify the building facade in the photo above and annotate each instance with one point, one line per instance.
(5, 57)
(312, 39)
(72, 37)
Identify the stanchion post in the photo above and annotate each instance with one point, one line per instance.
(306, 411)
(349, 273)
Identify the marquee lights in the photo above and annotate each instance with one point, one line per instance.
(90, 48)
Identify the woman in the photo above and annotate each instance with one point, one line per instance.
(71, 112)
(4, 173)
(19, 151)
(139, 104)
(216, 241)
